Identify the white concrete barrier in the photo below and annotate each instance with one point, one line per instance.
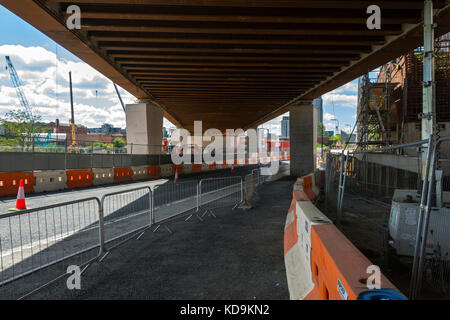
(103, 176)
(52, 180)
(139, 173)
(187, 168)
(321, 263)
(166, 170)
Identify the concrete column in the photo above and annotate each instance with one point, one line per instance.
(144, 128)
(303, 138)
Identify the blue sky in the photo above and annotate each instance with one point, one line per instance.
(43, 67)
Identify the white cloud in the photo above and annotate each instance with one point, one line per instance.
(340, 100)
(348, 87)
(327, 116)
(46, 85)
(330, 126)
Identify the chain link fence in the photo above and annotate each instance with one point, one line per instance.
(377, 198)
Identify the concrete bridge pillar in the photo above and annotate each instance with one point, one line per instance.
(144, 127)
(303, 138)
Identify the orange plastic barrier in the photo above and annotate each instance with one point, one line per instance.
(225, 165)
(321, 263)
(9, 183)
(339, 268)
(123, 174)
(303, 189)
(79, 178)
(196, 167)
(154, 171)
(213, 166)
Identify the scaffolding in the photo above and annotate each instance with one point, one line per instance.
(374, 107)
(390, 98)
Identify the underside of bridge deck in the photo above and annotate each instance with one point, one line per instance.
(230, 63)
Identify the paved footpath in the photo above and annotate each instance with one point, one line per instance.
(239, 255)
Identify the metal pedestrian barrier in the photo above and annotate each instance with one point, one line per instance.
(171, 200)
(126, 213)
(218, 193)
(37, 245)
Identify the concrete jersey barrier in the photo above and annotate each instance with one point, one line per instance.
(321, 263)
(55, 180)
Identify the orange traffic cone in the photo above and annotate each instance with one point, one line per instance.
(176, 176)
(20, 201)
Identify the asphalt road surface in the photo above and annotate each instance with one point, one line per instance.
(238, 255)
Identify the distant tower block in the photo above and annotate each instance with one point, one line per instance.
(318, 103)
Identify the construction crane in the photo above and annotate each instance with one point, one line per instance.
(120, 97)
(18, 86)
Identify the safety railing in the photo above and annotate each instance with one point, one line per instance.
(218, 193)
(171, 200)
(37, 245)
(126, 213)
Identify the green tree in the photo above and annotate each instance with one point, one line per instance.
(320, 130)
(336, 139)
(119, 143)
(98, 144)
(20, 128)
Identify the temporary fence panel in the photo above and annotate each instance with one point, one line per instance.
(125, 213)
(174, 199)
(431, 267)
(221, 192)
(361, 190)
(38, 245)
